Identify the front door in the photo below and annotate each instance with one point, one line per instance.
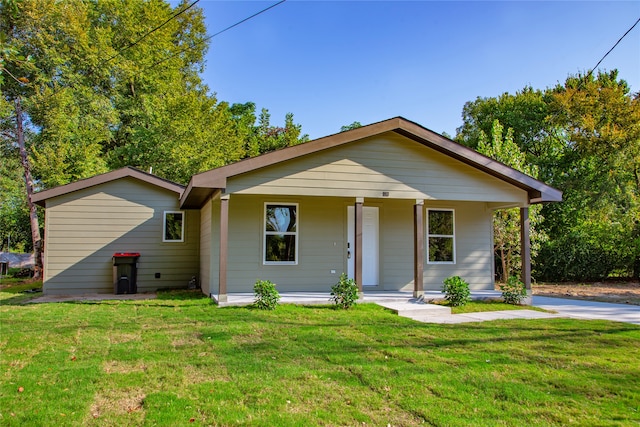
(370, 245)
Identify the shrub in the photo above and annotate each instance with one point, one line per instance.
(344, 293)
(456, 290)
(267, 296)
(514, 291)
(20, 273)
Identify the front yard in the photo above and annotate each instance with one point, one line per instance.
(179, 360)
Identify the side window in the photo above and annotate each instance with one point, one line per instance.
(441, 236)
(173, 226)
(280, 233)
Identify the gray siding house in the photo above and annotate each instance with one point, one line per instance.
(393, 204)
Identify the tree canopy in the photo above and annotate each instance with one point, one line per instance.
(113, 83)
(584, 137)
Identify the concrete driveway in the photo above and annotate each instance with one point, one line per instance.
(581, 309)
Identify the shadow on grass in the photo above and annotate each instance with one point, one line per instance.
(19, 292)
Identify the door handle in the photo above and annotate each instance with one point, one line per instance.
(348, 254)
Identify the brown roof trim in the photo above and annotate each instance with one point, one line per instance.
(126, 172)
(204, 184)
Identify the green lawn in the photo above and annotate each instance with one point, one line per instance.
(179, 360)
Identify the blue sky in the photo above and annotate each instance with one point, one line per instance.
(331, 63)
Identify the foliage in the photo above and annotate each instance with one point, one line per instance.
(266, 295)
(344, 294)
(354, 125)
(456, 290)
(513, 291)
(584, 138)
(15, 232)
(506, 222)
(524, 113)
(150, 362)
(261, 137)
(97, 95)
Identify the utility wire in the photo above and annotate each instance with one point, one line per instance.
(586, 77)
(216, 34)
(130, 45)
(613, 47)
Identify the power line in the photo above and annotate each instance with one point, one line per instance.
(130, 45)
(613, 47)
(586, 77)
(216, 34)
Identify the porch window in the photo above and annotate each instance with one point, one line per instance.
(440, 236)
(173, 226)
(281, 233)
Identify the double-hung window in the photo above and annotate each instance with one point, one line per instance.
(441, 245)
(280, 233)
(173, 226)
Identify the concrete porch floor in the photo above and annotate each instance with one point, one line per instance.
(308, 298)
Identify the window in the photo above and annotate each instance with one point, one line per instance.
(173, 227)
(280, 233)
(440, 236)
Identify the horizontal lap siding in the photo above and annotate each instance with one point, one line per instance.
(474, 248)
(322, 245)
(320, 248)
(84, 229)
(396, 244)
(390, 163)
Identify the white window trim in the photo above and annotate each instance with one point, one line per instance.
(452, 236)
(265, 233)
(164, 226)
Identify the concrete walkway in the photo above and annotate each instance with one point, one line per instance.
(432, 313)
(593, 310)
(561, 307)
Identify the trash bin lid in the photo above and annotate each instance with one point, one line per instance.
(126, 254)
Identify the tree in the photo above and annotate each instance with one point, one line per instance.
(584, 138)
(506, 222)
(262, 137)
(106, 84)
(596, 228)
(80, 96)
(354, 125)
(524, 113)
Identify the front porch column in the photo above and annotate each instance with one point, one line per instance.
(224, 239)
(357, 250)
(525, 249)
(418, 249)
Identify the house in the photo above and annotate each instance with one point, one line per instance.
(393, 204)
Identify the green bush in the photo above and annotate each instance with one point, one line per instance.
(267, 296)
(514, 291)
(456, 290)
(344, 293)
(20, 273)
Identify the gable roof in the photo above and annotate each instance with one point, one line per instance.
(205, 184)
(126, 172)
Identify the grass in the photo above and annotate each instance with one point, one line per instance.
(180, 360)
(476, 306)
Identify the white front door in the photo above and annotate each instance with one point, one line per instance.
(370, 245)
